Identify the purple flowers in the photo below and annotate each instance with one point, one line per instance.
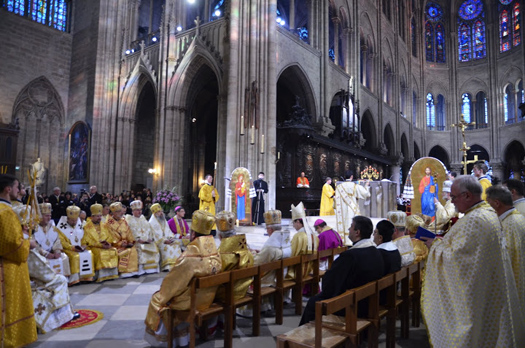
(167, 199)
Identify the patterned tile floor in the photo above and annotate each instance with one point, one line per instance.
(124, 303)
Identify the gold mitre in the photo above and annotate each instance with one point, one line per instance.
(96, 209)
(225, 221)
(272, 217)
(413, 222)
(73, 212)
(155, 208)
(398, 218)
(114, 207)
(202, 221)
(45, 208)
(298, 212)
(136, 205)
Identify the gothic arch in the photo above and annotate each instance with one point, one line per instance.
(510, 76)
(513, 155)
(473, 86)
(441, 154)
(368, 129)
(297, 83)
(389, 140)
(41, 115)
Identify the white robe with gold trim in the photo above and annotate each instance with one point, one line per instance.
(169, 252)
(346, 206)
(149, 255)
(48, 242)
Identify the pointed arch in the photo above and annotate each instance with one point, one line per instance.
(389, 140)
(441, 154)
(368, 129)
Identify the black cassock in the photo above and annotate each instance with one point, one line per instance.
(258, 201)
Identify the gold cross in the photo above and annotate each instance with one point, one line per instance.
(462, 124)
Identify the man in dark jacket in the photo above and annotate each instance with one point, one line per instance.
(359, 265)
(383, 239)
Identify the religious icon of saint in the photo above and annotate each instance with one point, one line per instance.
(428, 189)
(240, 197)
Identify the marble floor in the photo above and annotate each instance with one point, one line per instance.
(124, 303)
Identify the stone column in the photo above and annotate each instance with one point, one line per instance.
(207, 11)
(364, 49)
(498, 170)
(336, 22)
(291, 23)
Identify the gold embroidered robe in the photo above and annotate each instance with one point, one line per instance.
(406, 249)
(327, 202)
(105, 259)
(469, 296)
(513, 224)
(169, 252)
(17, 322)
(207, 202)
(148, 254)
(201, 258)
(128, 261)
(346, 207)
(443, 215)
(519, 204)
(235, 255)
(71, 237)
(302, 246)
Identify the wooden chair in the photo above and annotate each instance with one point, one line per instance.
(200, 317)
(259, 292)
(388, 309)
(233, 304)
(292, 284)
(414, 272)
(403, 299)
(303, 278)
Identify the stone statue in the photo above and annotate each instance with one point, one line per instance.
(40, 171)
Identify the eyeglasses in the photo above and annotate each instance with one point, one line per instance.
(452, 197)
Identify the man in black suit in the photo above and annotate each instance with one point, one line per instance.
(359, 265)
(383, 239)
(56, 207)
(261, 187)
(94, 197)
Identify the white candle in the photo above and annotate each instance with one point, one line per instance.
(214, 165)
(262, 143)
(242, 124)
(237, 222)
(252, 141)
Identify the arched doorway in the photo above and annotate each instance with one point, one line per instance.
(405, 166)
(478, 150)
(145, 137)
(441, 154)
(417, 153)
(388, 137)
(514, 158)
(202, 114)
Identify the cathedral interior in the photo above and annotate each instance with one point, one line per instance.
(129, 94)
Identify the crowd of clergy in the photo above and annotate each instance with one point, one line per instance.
(475, 259)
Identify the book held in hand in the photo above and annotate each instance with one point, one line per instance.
(423, 232)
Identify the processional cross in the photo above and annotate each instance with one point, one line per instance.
(462, 124)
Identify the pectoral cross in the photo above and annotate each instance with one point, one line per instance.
(40, 308)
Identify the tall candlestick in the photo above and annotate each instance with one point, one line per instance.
(262, 143)
(242, 124)
(278, 155)
(252, 141)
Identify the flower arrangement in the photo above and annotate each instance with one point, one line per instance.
(167, 199)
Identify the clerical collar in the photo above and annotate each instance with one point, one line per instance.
(5, 201)
(388, 246)
(505, 214)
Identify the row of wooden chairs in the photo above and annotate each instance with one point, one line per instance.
(227, 307)
(329, 330)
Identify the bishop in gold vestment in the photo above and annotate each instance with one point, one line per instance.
(234, 253)
(71, 234)
(305, 241)
(128, 261)
(327, 199)
(201, 258)
(208, 196)
(99, 241)
(469, 296)
(17, 320)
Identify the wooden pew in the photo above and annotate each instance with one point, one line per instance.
(388, 310)
(312, 278)
(292, 284)
(414, 272)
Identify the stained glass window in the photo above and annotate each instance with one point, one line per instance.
(429, 42)
(465, 107)
(433, 12)
(431, 112)
(471, 31)
(509, 25)
(48, 12)
(440, 113)
(218, 10)
(440, 43)
(521, 95)
(481, 110)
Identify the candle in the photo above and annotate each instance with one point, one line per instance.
(262, 143)
(237, 222)
(242, 124)
(278, 155)
(252, 141)
(214, 165)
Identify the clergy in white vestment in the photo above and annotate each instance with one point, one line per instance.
(513, 224)
(168, 243)
(48, 243)
(400, 239)
(443, 212)
(144, 236)
(346, 206)
(70, 232)
(50, 294)
(469, 296)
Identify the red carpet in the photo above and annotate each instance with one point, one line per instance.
(87, 317)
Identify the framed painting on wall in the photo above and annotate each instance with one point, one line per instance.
(78, 153)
